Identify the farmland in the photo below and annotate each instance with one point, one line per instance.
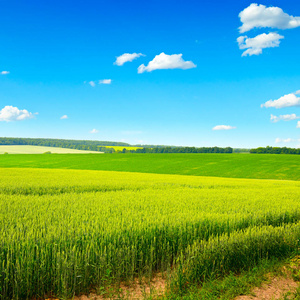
(256, 166)
(65, 232)
(120, 148)
(27, 149)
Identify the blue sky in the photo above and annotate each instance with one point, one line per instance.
(54, 54)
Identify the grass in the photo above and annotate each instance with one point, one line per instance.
(65, 232)
(20, 149)
(262, 166)
(232, 285)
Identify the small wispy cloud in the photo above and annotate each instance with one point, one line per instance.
(288, 100)
(260, 16)
(288, 140)
(101, 81)
(94, 131)
(11, 113)
(105, 81)
(4, 72)
(164, 61)
(290, 117)
(223, 127)
(64, 117)
(254, 46)
(298, 124)
(127, 57)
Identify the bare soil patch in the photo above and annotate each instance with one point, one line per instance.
(135, 291)
(276, 288)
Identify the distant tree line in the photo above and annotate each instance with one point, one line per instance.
(51, 142)
(183, 150)
(275, 150)
(70, 144)
(100, 146)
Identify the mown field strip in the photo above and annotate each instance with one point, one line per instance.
(260, 166)
(28, 149)
(65, 232)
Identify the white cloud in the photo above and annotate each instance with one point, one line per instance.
(290, 117)
(259, 16)
(105, 81)
(94, 131)
(122, 59)
(4, 72)
(277, 140)
(223, 127)
(284, 101)
(165, 61)
(11, 113)
(289, 140)
(102, 81)
(64, 117)
(255, 45)
(298, 124)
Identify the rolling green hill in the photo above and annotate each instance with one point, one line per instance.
(264, 166)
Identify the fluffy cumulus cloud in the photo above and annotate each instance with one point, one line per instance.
(11, 113)
(254, 46)
(284, 101)
(94, 131)
(105, 81)
(259, 16)
(290, 117)
(4, 72)
(223, 127)
(289, 140)
(298, 124)
(64, 117)
(127, 57)
(165, 61)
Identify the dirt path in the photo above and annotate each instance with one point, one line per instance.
(275, 289)
(136, 291)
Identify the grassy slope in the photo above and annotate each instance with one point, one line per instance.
(264, 166)
(28, 149)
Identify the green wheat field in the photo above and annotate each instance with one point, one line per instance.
(70, 224)
(256, 166)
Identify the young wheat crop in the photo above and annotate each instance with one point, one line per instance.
(65, 232)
